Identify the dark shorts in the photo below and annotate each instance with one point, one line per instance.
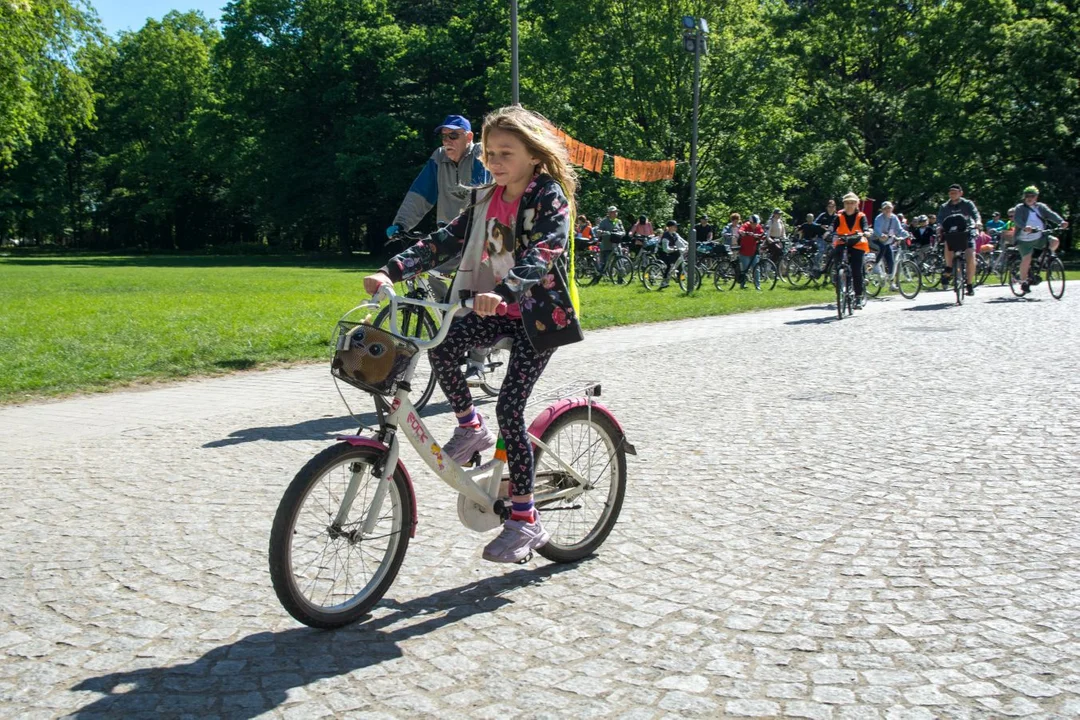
(959, 240)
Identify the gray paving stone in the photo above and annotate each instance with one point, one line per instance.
(870, 550)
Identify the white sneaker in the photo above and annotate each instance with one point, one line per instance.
(516, 541)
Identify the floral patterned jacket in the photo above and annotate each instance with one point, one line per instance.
(538, 281)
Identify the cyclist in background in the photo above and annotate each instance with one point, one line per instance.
(995, 225)
(583, 229)
(852, 226)
(886, 228)
(1032, 217)
(957, 215)
(639, 231)
(671, 245)
(605, 229)
(810, 231)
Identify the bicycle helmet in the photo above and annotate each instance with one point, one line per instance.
(755, 219)
(671, 223)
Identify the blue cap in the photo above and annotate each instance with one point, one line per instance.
(455, 121)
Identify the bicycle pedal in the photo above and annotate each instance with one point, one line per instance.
(474, 461)
(525, 559)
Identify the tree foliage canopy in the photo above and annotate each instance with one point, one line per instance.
(301, 123)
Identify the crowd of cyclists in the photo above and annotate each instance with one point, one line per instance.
(957, 228)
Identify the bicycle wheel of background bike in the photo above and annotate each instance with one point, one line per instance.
(621, 271)
(909, 279)
(769, 274)
(702, 271)
(1055, 277)
(415, 322)
(874, 280)
(653, 275)
(982, 269)
(798, 271)
(724, 275)
(959, 275)
(841, 283)
(327, 575)
(495, 363)
(596, 449)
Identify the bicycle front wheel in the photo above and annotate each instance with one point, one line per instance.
(959, 273)
(698, 275)
(982, 269)
(415, 322)
(578, 517)
(798, 271)
(909, 279)
(653, 275)
(621, 271)
(841, 285)
(495, 363)
(874, 280)
(1055, 277)
(768, 274)
(329, 574)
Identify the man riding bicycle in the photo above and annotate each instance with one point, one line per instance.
(1031, 217)
(445, 183)
(959, 216)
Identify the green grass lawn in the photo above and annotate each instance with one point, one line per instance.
(91, 323)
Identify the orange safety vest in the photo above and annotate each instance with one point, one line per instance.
(843, 229)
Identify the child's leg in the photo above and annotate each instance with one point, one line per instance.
(522, 372)
(466, 333)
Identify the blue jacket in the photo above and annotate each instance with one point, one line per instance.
(444, 185)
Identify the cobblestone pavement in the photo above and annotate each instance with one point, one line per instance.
(874, 518)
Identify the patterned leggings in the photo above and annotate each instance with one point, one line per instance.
(522, 372)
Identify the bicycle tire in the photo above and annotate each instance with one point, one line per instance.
(621, 271)
(958, 276)
(982, 269)
(724, 275)
(841, 284)
(909, 279)
(412, 319)
(653, 275)
(495, 363)
(767, 273)
(1055, 277)
(682, 278)
(872, 280)
(799, 268)
(572, 540)
(397, 509)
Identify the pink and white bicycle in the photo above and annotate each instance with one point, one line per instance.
(343, 526)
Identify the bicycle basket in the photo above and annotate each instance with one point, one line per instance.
(371, 359)
(956, 240)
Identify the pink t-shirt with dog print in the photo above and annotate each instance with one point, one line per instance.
(498, 256)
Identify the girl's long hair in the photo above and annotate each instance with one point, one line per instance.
(538, 135)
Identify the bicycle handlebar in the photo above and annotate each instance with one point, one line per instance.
(449, 312)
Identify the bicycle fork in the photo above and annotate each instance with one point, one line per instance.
(384, 473)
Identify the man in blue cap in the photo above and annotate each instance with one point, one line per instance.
(445, 180)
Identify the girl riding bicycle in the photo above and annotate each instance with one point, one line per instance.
(521, 222)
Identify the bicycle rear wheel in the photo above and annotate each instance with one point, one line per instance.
(621, 271)
(798, 271)
(724, 275)
(415, 322)
(1055, 277)
(768, 274)
(580, 519)
(652, 276)
(684, 280)
(841, 284)
(874, 280)
(982, 269)
(328, 575)
(909, 279)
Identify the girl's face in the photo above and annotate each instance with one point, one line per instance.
(507, 158)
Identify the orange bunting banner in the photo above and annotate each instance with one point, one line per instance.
(592, 159)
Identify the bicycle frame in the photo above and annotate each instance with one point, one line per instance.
(400, 413)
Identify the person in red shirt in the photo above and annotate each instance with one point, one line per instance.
(750, 235)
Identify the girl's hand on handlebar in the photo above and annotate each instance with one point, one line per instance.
(486, 304)
(372, 283)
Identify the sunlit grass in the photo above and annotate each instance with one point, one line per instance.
(75, 324)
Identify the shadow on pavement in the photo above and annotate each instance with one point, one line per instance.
(924, 308)
(814, 307)
(813, 321)
(1014, 299)
(254, 674)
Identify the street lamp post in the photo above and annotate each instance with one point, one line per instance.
(694, 32)
(514, 52)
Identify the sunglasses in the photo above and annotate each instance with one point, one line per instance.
(450, 135)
